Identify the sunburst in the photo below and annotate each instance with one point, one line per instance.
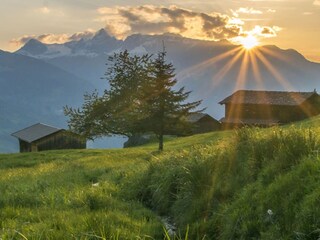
(249, 42)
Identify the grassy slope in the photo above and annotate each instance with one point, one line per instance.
(50, 195)
(221, 184)
(251, 184)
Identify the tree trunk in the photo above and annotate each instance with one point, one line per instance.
(161, 142)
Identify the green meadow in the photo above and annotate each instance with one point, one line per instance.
(241, 184)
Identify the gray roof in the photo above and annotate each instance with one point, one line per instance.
(268, 97)
(35, 132)
(194, 117)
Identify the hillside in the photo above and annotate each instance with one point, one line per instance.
(34, 91)
(248, 184)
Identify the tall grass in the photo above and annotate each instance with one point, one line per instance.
(246, 184)
(260, 184)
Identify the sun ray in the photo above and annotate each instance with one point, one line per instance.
(243, 72)
(210, 63)
(240, 83)
(219, 76)
(256, 70)
(205, 64)
(272, 53)
(258, 77)
(283, 58)
(251, 60)
(285, 83)
(281, 80)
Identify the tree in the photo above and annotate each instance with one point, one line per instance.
(140, 99)
(166, 109)
(117, 111)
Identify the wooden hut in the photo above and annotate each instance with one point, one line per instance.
(41, 137)
(267, 108)
(202, 123)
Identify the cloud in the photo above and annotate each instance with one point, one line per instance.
(316, 2)
(257, 33)
(149, 19)
(248, 11)
(53, 38)
(271, 10)
(236, 21)
(21, 40)
(265, 31)
(89, 33)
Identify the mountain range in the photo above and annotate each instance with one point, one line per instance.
(39, 79)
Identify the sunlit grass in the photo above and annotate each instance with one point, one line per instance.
(210, 187)
(54, 196)
(205, 183)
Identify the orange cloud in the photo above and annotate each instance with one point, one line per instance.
(271, 10)
(265, 31)
(53, 38)
(257, 33)
(149, 19)
(248, 11)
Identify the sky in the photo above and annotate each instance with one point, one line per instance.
(286, 23)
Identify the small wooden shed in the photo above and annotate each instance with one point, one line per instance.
(41, 137)
(203, 122)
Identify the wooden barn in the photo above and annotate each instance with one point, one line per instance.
(268, 108)
(41, 137)
(202, 123)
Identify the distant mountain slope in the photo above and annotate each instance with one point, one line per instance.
(210, 69)
(34, 91)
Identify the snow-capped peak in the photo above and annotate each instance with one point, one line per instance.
(101, 34)
(33, 47)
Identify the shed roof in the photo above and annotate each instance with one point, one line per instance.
(35, 132)
(194, 117)
(268, 97)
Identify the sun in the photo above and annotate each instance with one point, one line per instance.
(249, 42)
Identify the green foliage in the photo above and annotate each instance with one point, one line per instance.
(140, 99)
(165, 108)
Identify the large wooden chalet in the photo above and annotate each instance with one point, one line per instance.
(267, 108)
(41, 137)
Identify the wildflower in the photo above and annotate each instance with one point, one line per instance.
(270, 212)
